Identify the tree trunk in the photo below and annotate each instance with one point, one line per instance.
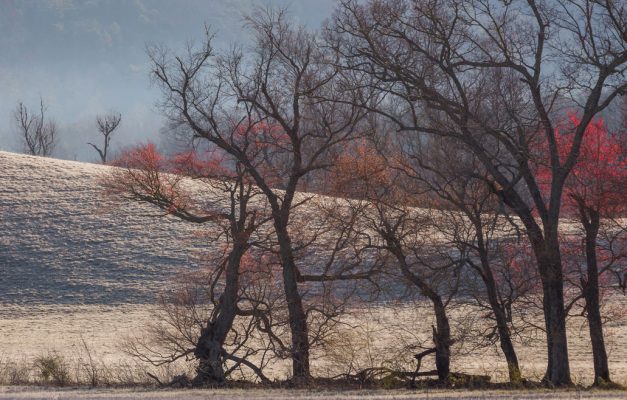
(513, 368)
(441, 340)
(591, 295)
(210, 368)
(505, 338)
(550, 267)
(209, 349)
(547, 254)
(297, 316)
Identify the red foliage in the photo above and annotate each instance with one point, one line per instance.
(146, 157)
(213, 164)
(599, 178)
(144, 173)
(358, 170)
(143, 157)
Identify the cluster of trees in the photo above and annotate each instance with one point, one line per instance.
(461, 141)
(39, 134)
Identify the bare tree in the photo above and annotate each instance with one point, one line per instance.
(192, 329)
(406, 235)
(39, 135)
(106, 125)
(264, 109)
(487, 74)
(471, 219)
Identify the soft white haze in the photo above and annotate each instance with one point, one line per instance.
(88, 57)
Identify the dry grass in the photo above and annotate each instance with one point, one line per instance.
(87, 339)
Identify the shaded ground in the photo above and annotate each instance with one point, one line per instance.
(62, 243)
(238, 394)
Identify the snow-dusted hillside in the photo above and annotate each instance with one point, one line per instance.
(61, 242)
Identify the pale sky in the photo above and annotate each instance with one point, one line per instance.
(88, 57)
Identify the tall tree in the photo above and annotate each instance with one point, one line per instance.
(263, 108)
(471, 218)
(487, 73)
(594, 193)
(405, 233)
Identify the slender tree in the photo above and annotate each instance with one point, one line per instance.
(107, 124)
(405, 234)
(471, 219)
(39, 135)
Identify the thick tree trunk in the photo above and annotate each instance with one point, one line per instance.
(210, 370)
(297, 316)
(591, 295)
(558, 369)
(547, 254)
(209, 349)
(549, 263)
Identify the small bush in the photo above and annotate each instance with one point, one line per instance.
(14, 373)
(52, 369)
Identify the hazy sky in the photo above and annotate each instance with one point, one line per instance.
(87, 57)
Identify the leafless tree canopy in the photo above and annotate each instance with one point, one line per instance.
(449, 105)
(106, 125)
(491, 75)
(39, 136)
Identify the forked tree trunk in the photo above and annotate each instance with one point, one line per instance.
(442, 331)
(209, 349)
(591, 295)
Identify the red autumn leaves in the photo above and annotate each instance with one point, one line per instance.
(599, 178)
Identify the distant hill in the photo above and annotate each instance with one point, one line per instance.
(62, 243)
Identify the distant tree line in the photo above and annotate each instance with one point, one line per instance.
(40, 136)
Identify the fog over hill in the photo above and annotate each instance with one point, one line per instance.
(61, 242)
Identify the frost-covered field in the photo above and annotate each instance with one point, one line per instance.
(76, 269)
(60, 243)
(370, 337)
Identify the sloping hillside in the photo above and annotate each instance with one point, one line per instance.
(61, 242)
(63, 245)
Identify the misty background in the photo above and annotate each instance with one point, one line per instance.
(85, 58)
